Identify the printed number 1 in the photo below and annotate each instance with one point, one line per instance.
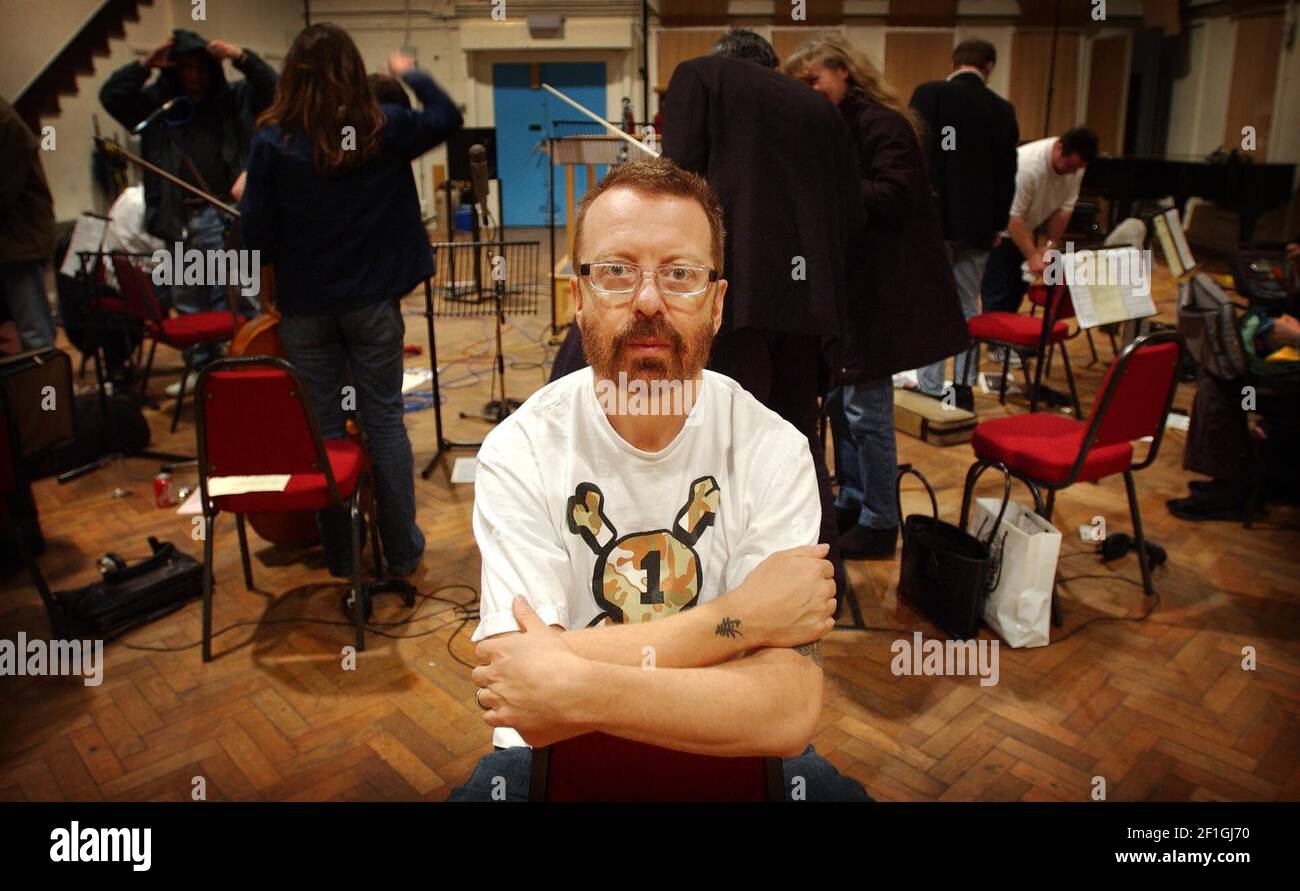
(650, 563)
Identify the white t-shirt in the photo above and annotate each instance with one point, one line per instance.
(1040, 190)
(582, 524)
(126, 230)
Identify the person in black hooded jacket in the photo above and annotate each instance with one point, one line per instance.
(203, 139)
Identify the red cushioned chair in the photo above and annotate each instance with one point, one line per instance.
(600, 767)
(1048, 451)
(178, 332)
(1038, 297)
(1026, 335)
(254, 418)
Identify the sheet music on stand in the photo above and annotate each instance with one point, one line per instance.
(87, 237)
(1173, 242)
(1109, 285)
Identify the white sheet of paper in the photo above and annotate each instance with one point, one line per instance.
(240, 485)
(1100, 302)
(87, 235)
(463, 470)
(190, 506)
(1179, 235)
(415, 379)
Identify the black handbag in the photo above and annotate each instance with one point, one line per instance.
(1207, 318)
(945, 571)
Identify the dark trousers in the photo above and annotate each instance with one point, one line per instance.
(1219, 441)
(362, 349)
(783, 371)
(1004, 287)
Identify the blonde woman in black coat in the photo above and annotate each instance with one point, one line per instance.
(906, 313)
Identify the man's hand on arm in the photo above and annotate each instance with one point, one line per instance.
(159, 56)
(787, 600)
(765, 703)
(220, 49)
(695, 695)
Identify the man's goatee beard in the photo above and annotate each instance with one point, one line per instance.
(606, 357)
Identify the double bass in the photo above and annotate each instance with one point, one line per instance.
(257, 336)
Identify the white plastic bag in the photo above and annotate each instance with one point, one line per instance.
(1021, 572)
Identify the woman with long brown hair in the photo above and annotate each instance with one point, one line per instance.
(331, 201)
(906, 312)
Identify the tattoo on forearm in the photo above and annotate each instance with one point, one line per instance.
(728, 627)
(813, 649)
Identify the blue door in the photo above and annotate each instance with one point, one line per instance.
(524, 118)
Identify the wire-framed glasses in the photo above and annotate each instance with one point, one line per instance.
(679, 281)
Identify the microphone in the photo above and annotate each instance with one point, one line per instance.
(154, 115)
(478, 171)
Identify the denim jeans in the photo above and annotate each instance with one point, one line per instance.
(362, 347)
(968, 269)
(22, 286)
(204, 231)
(866, 455)
(821, 781)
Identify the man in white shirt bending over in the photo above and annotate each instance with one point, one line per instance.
(647, 513)
(1049, 173)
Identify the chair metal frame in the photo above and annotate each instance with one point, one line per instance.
(1042, 354)
(352, 503)
(154, 323)
(1114, 382)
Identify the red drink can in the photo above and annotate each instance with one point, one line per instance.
(164, 490)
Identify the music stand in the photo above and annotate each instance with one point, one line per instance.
(512, 268)
(575, 143)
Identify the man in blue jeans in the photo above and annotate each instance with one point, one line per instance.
(647, 528)
(362, 348)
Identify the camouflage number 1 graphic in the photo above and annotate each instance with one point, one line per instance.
(644, 575)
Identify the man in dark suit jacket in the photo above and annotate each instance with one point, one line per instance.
(782, 163)
(970, 150)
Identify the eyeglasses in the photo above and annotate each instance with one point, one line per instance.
(676, 281)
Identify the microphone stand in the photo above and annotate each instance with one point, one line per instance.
(496, 410)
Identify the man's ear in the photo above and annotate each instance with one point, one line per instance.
(718, 300)
(576, 293)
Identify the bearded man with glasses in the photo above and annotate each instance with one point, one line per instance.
(682, 524)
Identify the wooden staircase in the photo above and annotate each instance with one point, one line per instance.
(77, 57)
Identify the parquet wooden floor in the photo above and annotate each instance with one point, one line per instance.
(1162, 709)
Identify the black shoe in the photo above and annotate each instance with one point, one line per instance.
(846, 518)
(862, 543)
(965, 397)
(1205, 507)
